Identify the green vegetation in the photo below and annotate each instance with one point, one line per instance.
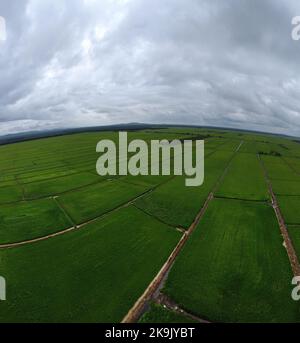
(235, 268)
(10, 194)
(28, 220)
(277, 168)
(90, 275)
(290, 206)
(178, 205)
(59, 185)
(95, 200)
(244, 180)
(283, 187)
(147, 182)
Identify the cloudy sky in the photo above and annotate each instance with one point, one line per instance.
(69, 63)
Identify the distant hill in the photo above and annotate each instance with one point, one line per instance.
(32, 135)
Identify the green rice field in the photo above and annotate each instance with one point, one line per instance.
(79, 247)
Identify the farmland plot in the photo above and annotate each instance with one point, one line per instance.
(59, 185)
(174, 203)
(178, 205)
(235, 268)
(32, 219)
(9, 194)
(278, 169)
(147, 182)
(45, 175)
(230, 145)
(244, 179)
(289, 206)
(294, 163)
(93, 274)
(283, 187)
(255, 147)
(94, 200)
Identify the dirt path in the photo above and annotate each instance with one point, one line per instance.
(165, 301)
(35, 240)
(138, 308)
(82, 225)
(135, 312)
(73, 228)
(284, 231)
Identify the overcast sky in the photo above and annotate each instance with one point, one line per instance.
(69, 63)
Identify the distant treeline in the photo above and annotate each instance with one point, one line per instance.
(270, 153)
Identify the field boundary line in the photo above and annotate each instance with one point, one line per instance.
(288, 195)
(126, 204)
(137, 309)
(121, 179)
(64, 211)
(25, 198)
(156, 218)
(134, 313)
(35, 240)
(240, 199)
(73, 228)
(75, 172)
(16, 171)
(50, 196)
(21, 186)
(81, 225)
(290, 166)
(282, 225)
(65, 192)
(55, 177)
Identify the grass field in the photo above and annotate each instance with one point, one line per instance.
(29, 220)
(233, 268)
(10, 194)
(95, 200)
(244, 179)
(59, 185)
(289, 206)
(178, 205)
(90, 275)
(278, 169)
(282, 187)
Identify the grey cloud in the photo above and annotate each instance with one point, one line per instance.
(207, 62)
